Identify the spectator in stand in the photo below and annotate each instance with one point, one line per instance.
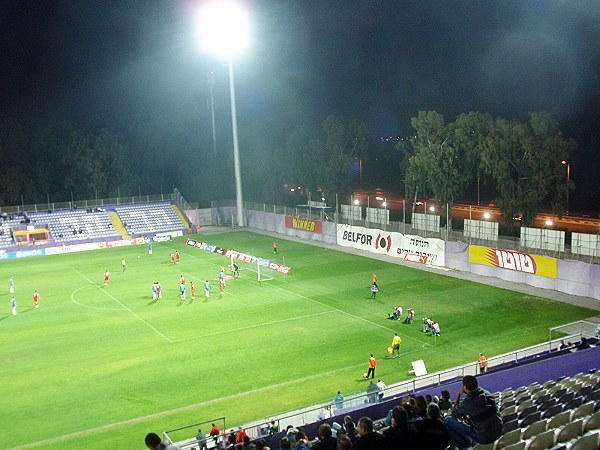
(445, 403)
(239, 437)
(290, 433)
(420, 408)
(344, 443)
(273, 428)
(583, 344)
(431, 432)
(562, 345)
(349, 428)
(369, 439)
(301, 441)
(153, 442)
(428, 398)
(285, 444)
(401, 435)
(479, 407)
(326, 441)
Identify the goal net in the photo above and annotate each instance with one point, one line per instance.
(256, 268)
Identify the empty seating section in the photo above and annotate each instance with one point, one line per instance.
(6, 239)
(77, 225)
(148, 219)
(560, 414)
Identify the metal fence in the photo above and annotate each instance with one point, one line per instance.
(452, 231)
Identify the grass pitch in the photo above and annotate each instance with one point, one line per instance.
(99, 367)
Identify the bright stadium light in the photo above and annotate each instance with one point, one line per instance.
(549, 223)
(486, 215)
(224, 30)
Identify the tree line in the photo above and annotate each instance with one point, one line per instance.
(519, 164)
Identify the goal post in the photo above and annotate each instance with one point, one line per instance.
(257, 268)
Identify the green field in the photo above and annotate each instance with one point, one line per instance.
(99, 367)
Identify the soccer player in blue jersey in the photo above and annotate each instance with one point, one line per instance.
(182, 291)
(207, 289)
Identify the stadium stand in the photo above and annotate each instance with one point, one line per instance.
(570, 425)
(77, 225)
(150, 219)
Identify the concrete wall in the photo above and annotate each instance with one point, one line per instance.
(573, 277)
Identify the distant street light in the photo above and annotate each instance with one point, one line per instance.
(224, 29)
(568, 164)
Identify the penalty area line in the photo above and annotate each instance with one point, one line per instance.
(123, 306)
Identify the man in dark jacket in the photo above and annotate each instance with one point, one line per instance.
(480, 409)
(326, 440)
(369, 439)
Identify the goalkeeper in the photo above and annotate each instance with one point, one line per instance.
(235, 270)
(396, 344)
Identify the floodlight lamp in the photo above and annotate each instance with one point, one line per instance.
(432, 208)
(549, 223)
(356, 202)
(486, 215)
(384, 204)
(223, 27)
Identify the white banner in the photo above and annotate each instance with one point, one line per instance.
(408, 247)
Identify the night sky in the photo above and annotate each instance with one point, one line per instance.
(101, 64)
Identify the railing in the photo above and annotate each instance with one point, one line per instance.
(314, 413)
(405, 227)
(174, 196)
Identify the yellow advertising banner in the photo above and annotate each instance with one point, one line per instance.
(511, 260)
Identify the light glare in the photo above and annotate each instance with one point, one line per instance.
(223, 27)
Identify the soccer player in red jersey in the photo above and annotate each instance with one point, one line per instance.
(177, 257)
(106, 277)
(36, 298)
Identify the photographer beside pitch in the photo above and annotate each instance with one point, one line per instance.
(475, 419)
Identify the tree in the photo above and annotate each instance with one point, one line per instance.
(433, 167)
(525, 163)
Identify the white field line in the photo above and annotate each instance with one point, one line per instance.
(179, 410)
(103, 308)
(251, 326)
(123, 306)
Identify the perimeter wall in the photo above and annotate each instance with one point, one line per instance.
(568, 276)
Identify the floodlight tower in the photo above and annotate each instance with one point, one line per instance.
(224, 28)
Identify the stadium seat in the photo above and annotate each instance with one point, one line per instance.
(524, 405)
(516, 446)
(583, 391)
(541, 397)
(542, 441)
(508, 438)
(508, 410)
(527, 412)
(547, 404)
(559, 420)
(573, 403)
(570, 431)
(552, 411)
(587, 442)
(531, 418)
(534, 429)
(584, 410)
(510, 426)
(509, 417)
(592, 422)
(483, 447)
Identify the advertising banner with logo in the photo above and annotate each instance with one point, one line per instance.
(408, 247)
(314, 226)
(269, 264)
(511, 260)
